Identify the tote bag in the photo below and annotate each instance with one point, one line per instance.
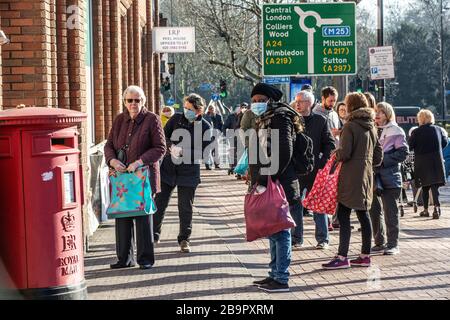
(130, 194)
(323, 196)
(266, 213)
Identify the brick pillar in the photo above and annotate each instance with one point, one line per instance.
(150, 88)
(107, 65)
(97, 13)
(137, 45)
(116, 58)
(124, 23)
(61, 68)
(27, 73)
(157, 65)
(130, 20)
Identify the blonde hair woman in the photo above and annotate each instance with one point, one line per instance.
(427, 142)
(386, 224)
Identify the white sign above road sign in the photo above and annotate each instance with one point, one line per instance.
(173, 39)
(381, 61)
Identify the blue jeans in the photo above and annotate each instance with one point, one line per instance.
(280, 254)
(321, 233)
(297, 214)
(320, 220)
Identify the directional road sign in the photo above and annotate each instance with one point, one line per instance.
(309, 39)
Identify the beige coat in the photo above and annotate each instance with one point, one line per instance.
(359, 151)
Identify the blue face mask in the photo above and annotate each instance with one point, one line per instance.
(190, 115)
(259, 108)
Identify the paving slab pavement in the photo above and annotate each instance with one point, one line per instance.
(222, 265)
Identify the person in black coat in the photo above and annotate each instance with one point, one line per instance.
(317, 129)
(215, 119)
(232, 123)
(181, 166)
(276, 116)
(427, 142)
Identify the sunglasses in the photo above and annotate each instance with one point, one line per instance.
(133, 100)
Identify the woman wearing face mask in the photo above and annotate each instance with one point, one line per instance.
(166, 113)
(181, 166)
(276, 117)
(395, 149)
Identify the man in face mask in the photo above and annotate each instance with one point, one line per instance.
(329, 98)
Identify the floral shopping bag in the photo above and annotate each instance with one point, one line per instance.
(323, 196)
(130, 194)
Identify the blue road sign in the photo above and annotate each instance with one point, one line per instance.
(170, 102)
(215, 97)
(276, 80)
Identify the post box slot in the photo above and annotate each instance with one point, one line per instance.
(63, 143)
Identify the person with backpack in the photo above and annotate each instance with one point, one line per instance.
(317, 129)
(271, 115)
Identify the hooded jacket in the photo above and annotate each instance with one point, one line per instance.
(359, 151)
(395, 151)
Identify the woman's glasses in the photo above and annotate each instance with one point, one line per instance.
(133, 100)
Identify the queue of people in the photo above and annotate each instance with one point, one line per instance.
(358, 133)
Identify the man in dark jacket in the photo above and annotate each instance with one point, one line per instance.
(323, 144)
(215, 119)
(181, 166)
(274, 116)
(232, 123)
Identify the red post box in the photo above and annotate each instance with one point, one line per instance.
(41, 241)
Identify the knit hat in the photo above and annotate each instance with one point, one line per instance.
(268, 91)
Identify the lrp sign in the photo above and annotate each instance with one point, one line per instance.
(173, 39)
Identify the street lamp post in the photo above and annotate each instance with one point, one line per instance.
(380, 43)
(443, 75)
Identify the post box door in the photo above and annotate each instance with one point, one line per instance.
(12, 218)
(53, 207)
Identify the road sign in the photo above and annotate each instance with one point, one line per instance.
(309, 39)
(276, 80)
(381, 61)
(215, 97)
(170, 102)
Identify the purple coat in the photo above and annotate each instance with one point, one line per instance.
(147, 142)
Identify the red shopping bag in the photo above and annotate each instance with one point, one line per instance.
(267, 213)
(323, 196)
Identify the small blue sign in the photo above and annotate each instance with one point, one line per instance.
(447, 93)
(206, 86)
(276, 80)
(170, 102)
(215, 97)
(338, 31)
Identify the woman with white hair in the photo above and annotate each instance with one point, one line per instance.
(136, 139)
(427, 142)
(386, 228)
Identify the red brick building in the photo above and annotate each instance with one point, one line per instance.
(79, 55)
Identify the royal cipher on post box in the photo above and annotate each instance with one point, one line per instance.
(41, 195)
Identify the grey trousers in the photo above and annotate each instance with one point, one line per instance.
(384, 216)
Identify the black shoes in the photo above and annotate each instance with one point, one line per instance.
(425, 213)
(207, 167)
(263, 281)
(121, 266)
(436, 213)
(145, 266)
